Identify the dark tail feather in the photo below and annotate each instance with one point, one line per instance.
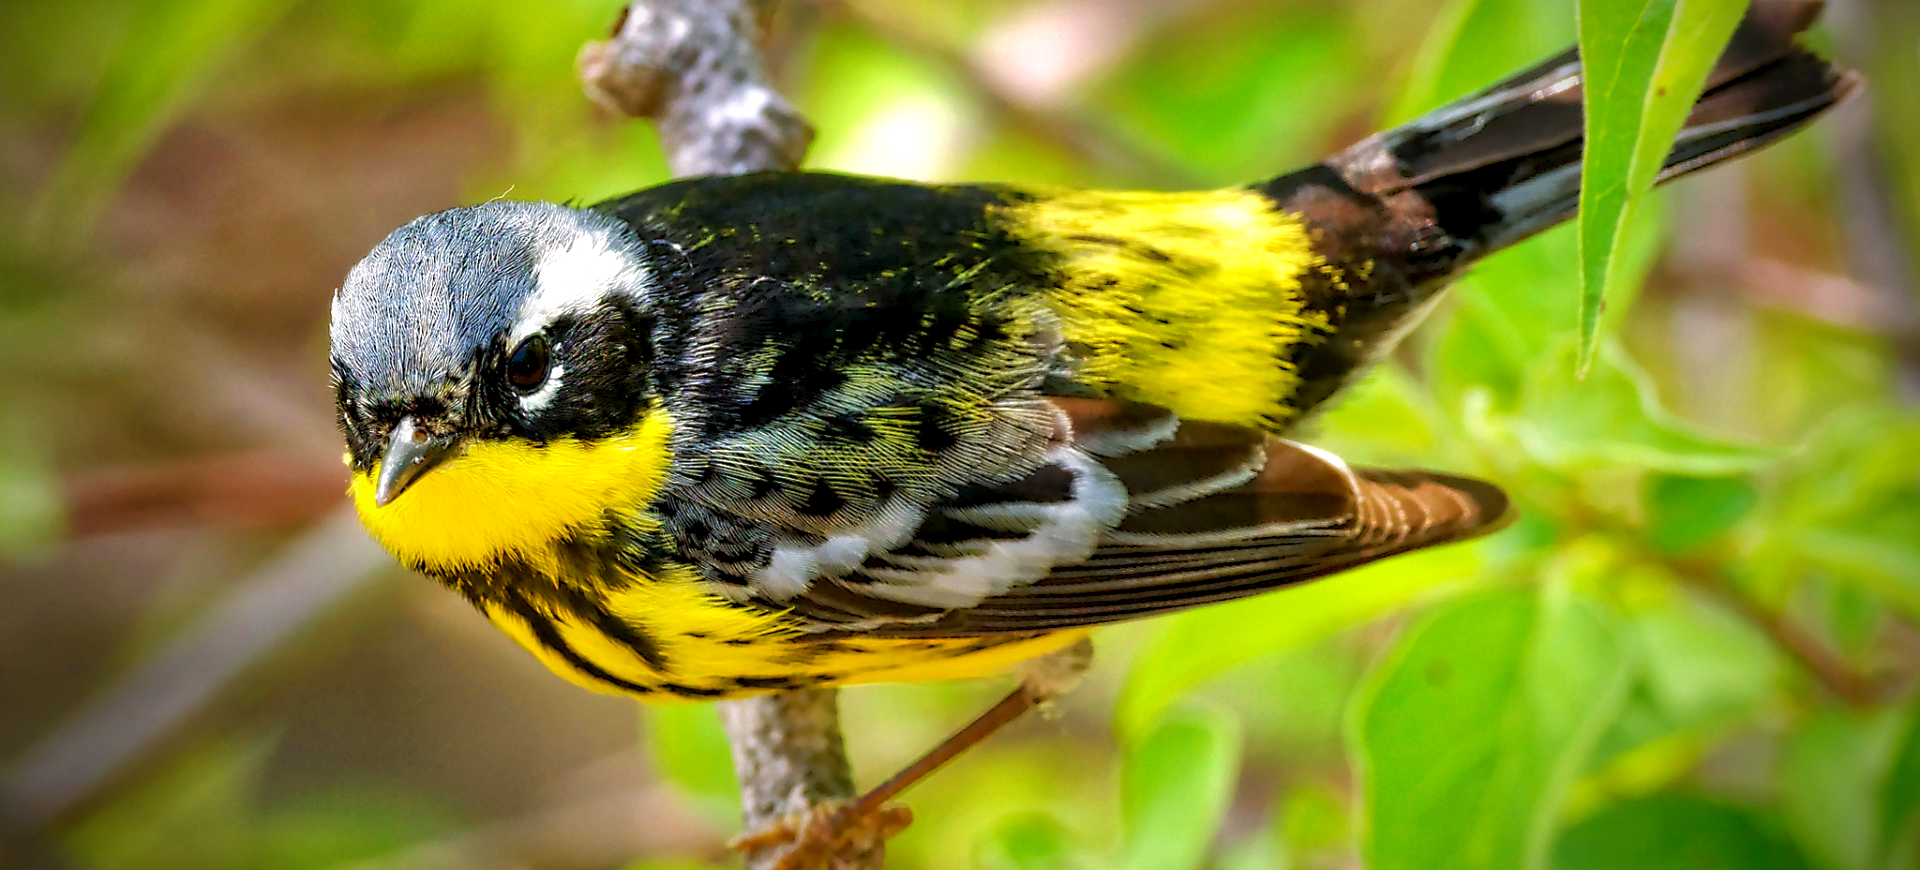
(1496, 167)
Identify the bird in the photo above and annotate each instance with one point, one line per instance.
(736, 435)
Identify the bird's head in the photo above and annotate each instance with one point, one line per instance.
(491, 368)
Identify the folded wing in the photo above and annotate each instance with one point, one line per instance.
(1211, 512)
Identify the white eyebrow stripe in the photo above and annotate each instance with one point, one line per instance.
(573, 281)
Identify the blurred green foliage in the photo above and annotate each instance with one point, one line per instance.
(1695, 649)
(1480, 718)
(202, 811)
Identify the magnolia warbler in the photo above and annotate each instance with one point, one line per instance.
(733, 435)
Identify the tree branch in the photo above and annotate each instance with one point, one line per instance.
(246, 490)
(1826, 666)
(694, 68)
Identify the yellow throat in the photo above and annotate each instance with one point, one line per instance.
(516, 497)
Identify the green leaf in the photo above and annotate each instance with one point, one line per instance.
(1315, 817)
(1470, 733)
(1513, 308)
(689, 749)
(1175, 788)
(1846, 507)
(1614, 419)
(1701, 672)
(1026, 841)
(1831, 774)
(1853, 617)
(1620, 45)
(1239, 91)
(1900, 798)
(1645, 65)
(1702, 665)
(1387, 418)
(1676, 832)
(1482, 349)
(1882, 559)
(1684, 512)
(1469, 45)
(1852, 468)
(1198, 645)
(342, 828)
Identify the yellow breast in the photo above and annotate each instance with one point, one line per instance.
(515, 497)
(503, 501)
(702, 647)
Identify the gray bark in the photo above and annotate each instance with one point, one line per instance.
(694, 67)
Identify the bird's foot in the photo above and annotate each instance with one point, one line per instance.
(826, 834)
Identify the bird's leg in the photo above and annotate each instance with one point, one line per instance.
(838, 828)
(834, 829)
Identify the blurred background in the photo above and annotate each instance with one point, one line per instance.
(1697, 649)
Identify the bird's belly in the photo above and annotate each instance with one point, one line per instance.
(882, 660)
(699, 664)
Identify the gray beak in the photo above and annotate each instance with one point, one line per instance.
(410, 453)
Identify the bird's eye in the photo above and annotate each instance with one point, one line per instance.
(527, 367)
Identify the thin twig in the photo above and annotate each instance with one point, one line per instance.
(693, 66)
(1820, 661)
(230, 490)
(1708, 578)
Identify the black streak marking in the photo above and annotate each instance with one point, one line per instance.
(549, 637)
(686, 691)
(822, 501)
(630, 636)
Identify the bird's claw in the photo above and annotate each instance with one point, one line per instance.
(825, 835)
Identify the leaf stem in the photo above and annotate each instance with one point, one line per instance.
(1819, 660)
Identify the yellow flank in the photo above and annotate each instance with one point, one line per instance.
(517, 628)
(696, 629)
(512, 496)
(1190, 301)
(713, 649)
(914, 661)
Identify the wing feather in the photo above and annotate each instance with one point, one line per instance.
(1212, 513)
